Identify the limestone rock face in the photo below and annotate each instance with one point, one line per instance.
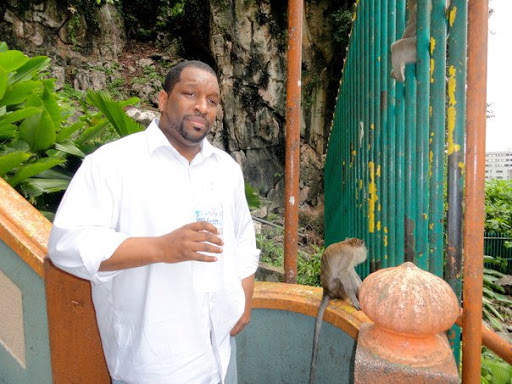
(46, 27)
(245, 41)
(248, 43)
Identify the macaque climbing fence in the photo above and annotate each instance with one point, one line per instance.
(395, 159)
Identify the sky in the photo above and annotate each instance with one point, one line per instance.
(499, 77)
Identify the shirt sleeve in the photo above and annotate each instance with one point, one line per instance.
(248, 255)
(84, 230)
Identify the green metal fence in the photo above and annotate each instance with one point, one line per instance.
(395, 162)
(495, 245)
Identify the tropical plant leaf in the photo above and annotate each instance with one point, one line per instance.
(91, 132)
(130, 101)
(13, 117)
(122, 123)
(18, 93)
(36, 187)
(4, 77)
(12, 160)
(8, 131)
(71, 148)
(30, 68)
(500, 371)
(55, 173)
(38, 131)
(33, 169)
(68, 130)
(3, 46)
(50, 103)
(253, 199)
(12, 60)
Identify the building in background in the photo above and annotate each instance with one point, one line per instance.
(498, 165)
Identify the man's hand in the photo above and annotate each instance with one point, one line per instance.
(186, 242)
(182, 244)
(248, 287)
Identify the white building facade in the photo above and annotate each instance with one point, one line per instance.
(498, 165)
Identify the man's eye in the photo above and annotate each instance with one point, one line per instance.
(213, 101)
(189, 93)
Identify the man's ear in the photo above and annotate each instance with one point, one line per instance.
(162, 100)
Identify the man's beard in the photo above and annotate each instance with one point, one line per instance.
(192, 138)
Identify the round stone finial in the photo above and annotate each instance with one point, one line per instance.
(408, 300)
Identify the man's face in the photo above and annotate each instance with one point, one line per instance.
(189, 110)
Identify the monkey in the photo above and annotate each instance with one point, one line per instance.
(339, 281)
(403, 51)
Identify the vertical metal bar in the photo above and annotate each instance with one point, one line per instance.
(400, 146)
(475, 190)
(391, 171)
(366, 129)
(372, 143)
(377, 150)
(384, 129)
(410, 173)
(292, 166)
(422, 130)
(437, 137)
(456, 120)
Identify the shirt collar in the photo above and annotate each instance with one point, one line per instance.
(156, 139)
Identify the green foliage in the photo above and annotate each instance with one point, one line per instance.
(494, 370)
(39, 148)
(493, 294)
(253, 199)
(270, 242)
(498, 207)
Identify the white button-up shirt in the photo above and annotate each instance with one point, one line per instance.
(160, 323)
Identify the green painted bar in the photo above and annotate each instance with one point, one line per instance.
(456, 62)
(390, 168)
(422, 130)
(384, 129)
(377, 135)
(410, 171)
(364, 149)
(372, 167)
(437, 136)
(400, 147)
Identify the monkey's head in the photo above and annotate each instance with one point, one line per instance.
(354, 242)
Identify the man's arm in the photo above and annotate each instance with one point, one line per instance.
(181, 244)
(248, 286)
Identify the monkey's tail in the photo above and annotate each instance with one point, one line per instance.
(318, 325)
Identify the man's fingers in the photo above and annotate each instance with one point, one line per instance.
(205, 258)
(203, 226)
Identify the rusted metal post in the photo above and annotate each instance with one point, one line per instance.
(292, 166)
(474, 191)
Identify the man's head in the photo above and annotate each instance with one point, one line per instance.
(173, 76)
(188, 105)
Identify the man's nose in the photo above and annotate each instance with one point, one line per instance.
(201, 105)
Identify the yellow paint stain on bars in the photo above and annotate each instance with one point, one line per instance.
(452, 83)
(372, 126)
(386, 243)
(372, 200)
(453, 15)
(360, 184)
(385, 229)
(378, 225)
(461, 166)
(430, 161)
(432, 66)
(378, 171)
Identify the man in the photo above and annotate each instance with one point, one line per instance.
(170, 289)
